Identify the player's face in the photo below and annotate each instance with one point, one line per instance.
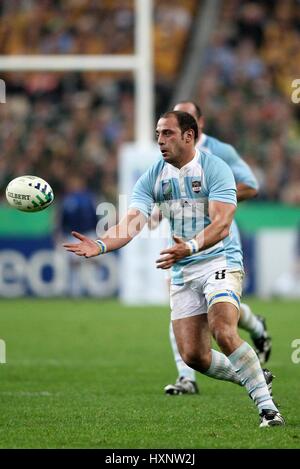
(170, 139)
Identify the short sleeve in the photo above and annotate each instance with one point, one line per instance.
(219, 181)
(142, 195)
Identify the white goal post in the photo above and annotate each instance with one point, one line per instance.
(140, 63)
(137, 261)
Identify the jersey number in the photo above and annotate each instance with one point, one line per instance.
(220, 275)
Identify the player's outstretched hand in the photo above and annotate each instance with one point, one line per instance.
(171, 255)
(86, 247)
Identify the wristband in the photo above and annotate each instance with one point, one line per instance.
(102, 246)
(193, 246)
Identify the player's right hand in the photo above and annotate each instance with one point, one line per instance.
(171, 255)
(86, 247)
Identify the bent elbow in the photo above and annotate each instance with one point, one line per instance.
(247, 194)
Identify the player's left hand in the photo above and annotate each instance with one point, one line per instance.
(171, 255)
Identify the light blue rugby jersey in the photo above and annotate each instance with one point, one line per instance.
(241, 171)
(183, 196)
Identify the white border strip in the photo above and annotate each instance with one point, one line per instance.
(67, 62)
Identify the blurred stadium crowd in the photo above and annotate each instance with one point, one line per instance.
(58, 124)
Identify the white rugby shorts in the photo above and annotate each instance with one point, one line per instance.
(196, 296)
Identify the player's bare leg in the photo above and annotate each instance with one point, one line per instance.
(222, 320)
(193, 338)
(241, 366)
(255, 325)
(186, 380)
(194, 341)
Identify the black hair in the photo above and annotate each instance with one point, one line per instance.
(185, 121)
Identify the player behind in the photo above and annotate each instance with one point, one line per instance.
(205, 258)
(246, 189)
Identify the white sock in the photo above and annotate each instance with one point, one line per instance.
(247, 367)
(183, 369)
(249, 322)
(221, 368)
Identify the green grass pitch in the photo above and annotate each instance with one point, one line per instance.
(90, 374)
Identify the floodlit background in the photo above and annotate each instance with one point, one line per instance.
(83, 90)
(69, 127)
(237, 59)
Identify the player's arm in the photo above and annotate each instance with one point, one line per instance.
(221, 215)
(245, 192)
(119, 235)
(221, 194)
(246, 182)
(115, 237)
(155, 218)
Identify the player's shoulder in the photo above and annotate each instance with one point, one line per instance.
(156, 167)
(150, 176)
(208, 159)
(219, 147)
(214, 168)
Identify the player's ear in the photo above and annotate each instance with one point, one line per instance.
(189, 136)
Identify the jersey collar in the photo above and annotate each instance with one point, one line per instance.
(192, 162)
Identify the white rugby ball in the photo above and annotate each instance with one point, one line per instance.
(29, 194)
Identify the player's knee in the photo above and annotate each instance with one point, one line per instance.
(224, 336)
(198, 361)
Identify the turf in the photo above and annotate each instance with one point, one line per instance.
(90, 374)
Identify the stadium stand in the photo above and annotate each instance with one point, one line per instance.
(54, 122)
(246, 91)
